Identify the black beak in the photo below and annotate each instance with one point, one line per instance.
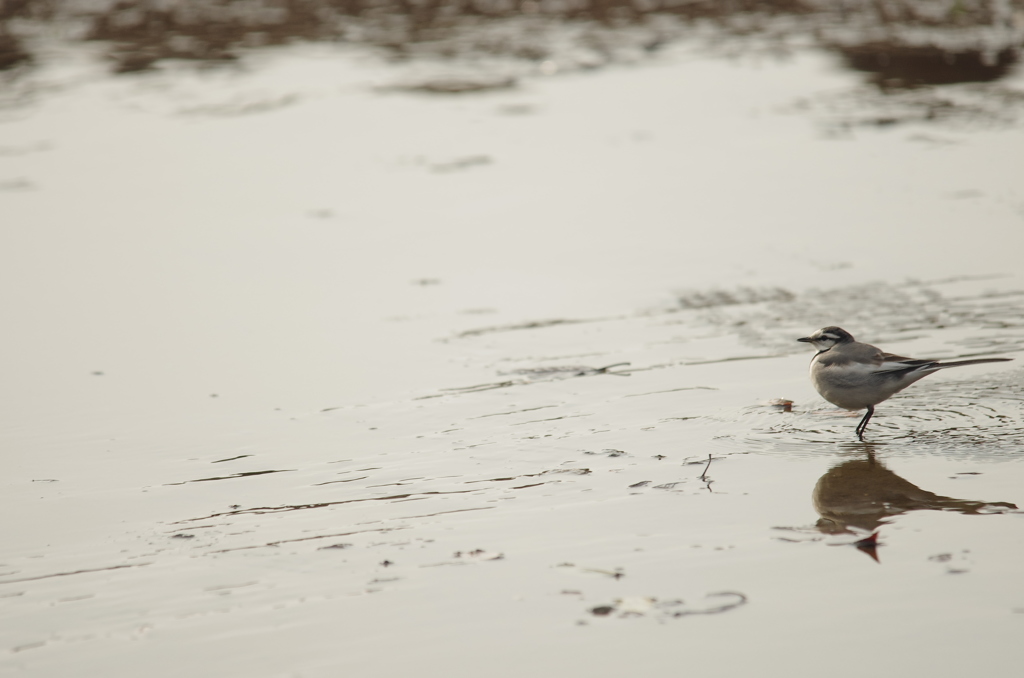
(807, 339)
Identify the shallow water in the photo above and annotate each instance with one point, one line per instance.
(307, 374)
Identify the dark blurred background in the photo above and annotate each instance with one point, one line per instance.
(899, 44)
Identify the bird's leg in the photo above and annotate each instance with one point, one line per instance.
(864, 422)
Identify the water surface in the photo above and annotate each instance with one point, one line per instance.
(313, 369)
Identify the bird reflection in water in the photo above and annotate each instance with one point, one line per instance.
(863, 494)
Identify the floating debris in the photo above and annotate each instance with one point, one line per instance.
(782, 404)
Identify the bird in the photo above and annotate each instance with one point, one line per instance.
(854, 375)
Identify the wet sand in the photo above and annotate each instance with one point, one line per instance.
(310, 373)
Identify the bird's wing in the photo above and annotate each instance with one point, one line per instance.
(867, 359)
(889, 362)
(865, 354)
(853, 358)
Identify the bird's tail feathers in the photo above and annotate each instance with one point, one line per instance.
(976, 361)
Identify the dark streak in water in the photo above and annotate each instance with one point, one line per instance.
(241, 456)
(502, 414)
(736, 358)
(532, 325)
(231, 477)
(470, 389)
(573, 471)
(260, 510)
(672, 390)
(195, 527)
(331, 482)
(68, 574)
(537, 421)
(532, 376)
(441, 513)
(319, 536)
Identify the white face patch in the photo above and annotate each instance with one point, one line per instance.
(824, 341)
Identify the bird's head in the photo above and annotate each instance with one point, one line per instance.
(827, 337)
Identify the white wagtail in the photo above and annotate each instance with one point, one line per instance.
(853, 375)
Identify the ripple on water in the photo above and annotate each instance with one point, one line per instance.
(964, 417)
(975, 322)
